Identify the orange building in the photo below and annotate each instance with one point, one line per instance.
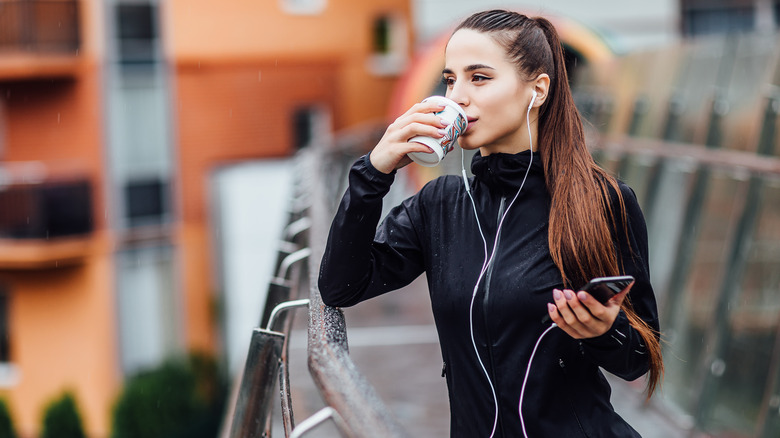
(113, 114)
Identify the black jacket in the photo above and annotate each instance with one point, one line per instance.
(435, 232)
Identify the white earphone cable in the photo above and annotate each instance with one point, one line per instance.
(489, 260)
(527, 373)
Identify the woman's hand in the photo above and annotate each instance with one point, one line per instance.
(582, 316)
(390, 153)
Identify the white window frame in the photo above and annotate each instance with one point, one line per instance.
(394, 61)
(303, 7)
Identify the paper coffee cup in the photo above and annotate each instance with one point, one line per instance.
(456, 120)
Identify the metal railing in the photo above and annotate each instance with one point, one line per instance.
(707, 174)
(352, 403)
(267, 356)
(39, 26)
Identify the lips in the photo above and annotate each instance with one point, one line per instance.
(470, 121)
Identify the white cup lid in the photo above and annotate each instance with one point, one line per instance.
(446, 101)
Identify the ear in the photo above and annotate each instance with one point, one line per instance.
(541, 85)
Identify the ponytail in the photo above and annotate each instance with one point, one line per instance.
(580, 235)
(581, 213)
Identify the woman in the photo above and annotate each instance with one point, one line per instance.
(511, 245)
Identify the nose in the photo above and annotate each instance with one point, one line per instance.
(457, 93)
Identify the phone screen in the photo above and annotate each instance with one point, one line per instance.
(604, 288)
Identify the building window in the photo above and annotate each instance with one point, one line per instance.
(382, 35)
(140, 152)
(703, 18)
(148, 309)
(9, 374)
(311, 124)
(304, 7)
(2, 126)
(390, 44)
(40, 26)
(146, 201)
(776, 8)
(5, 344)
(136, 31)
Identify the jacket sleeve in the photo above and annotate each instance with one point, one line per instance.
(621, 350)
(361, 261)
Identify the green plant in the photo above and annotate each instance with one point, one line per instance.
(61, 418)
(180, 398)
(6, 421)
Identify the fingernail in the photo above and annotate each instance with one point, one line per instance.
(567, 293)
(551, 307)
(556, 294)
(443, 122)
(582, 296)
(443, 131)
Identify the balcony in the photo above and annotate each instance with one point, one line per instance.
(38, 39)
(45, 224)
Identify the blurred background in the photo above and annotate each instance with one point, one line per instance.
(146, 163)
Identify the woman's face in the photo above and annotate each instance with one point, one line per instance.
(488, 86)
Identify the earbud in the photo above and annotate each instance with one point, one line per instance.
(533, 99)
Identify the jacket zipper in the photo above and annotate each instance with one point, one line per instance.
(486, 298)
(562, 364)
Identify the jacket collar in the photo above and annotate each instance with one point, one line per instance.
(505, 172)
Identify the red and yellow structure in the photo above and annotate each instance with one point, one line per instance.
(237, 74)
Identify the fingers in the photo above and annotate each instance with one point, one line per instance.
(424, 107)
(567, 312)
(417, 123)
(618, 299)
(420, 119)
(580, 315)
(599, 310)
(391, 151)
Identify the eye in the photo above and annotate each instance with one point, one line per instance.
(480, 78)
(448, 81)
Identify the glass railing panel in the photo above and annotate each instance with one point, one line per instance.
(608, 160)
(708, 64)
(741, 403)
(636, 170)
(649, 78)
(745, 100)
(691, 311)
(665, 220)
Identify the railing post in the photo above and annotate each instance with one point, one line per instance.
(253, 406)
(352, 403)
(279, 289)
(339, 382)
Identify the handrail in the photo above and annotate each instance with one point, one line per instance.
(315, 420)
(340, 383)
(352, 403)
(283, 307)
(715, 158)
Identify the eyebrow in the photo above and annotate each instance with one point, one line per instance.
(469, 68)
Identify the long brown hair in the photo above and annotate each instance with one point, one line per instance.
(581, 212)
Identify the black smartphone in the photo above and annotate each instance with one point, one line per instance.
(604, 288)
